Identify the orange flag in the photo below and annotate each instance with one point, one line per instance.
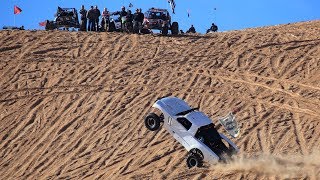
(42, 23)
(16, 10)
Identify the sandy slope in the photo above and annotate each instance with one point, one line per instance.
(72, 104)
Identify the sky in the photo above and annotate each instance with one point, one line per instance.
(227, 14)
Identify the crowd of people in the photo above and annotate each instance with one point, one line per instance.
(130, 22)
(90, 20)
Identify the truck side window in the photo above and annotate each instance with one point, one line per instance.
(185, 123)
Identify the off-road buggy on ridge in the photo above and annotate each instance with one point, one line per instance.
(65, 18)
(195, 131)
(160, 19)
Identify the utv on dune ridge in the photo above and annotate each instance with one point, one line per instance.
(195, 131)
(160, 19)
(65, 18)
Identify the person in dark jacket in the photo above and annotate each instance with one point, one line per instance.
(90, 17)
(191, 30)
(214, 27)
(123, 13)
(129, 22)
(138, 18)
(83, 18)
(97, 14)
(141, 16)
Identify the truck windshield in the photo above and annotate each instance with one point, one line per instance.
(186, 112)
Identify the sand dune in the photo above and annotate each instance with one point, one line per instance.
(72, 103)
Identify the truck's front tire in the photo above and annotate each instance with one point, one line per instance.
(194, 160)
(152, 122)
(111, 27)
(50, 25)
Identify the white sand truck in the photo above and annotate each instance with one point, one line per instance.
(194, 130)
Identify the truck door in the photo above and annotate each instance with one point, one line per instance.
(180, 126)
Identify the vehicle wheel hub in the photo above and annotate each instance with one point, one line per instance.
(151, 122)
(193, 162)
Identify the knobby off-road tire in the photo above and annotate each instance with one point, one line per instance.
(111, 27)
(175, 28)
(50, 25)
(194, 160)
(152, 122)
(165, 30)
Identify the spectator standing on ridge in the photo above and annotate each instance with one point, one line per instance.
(129, 23)
(83, 17)
(141, 18)
(122, 13)
(105, 19)
(138, 17)
(97, 14)
(136, 24)
(90, 17)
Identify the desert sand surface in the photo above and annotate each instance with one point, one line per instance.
(73, 104)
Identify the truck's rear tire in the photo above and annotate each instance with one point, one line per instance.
(175, 28)
(111, 27)
(50, 25)
(152, 122)
(165, 30)
(194, 160)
